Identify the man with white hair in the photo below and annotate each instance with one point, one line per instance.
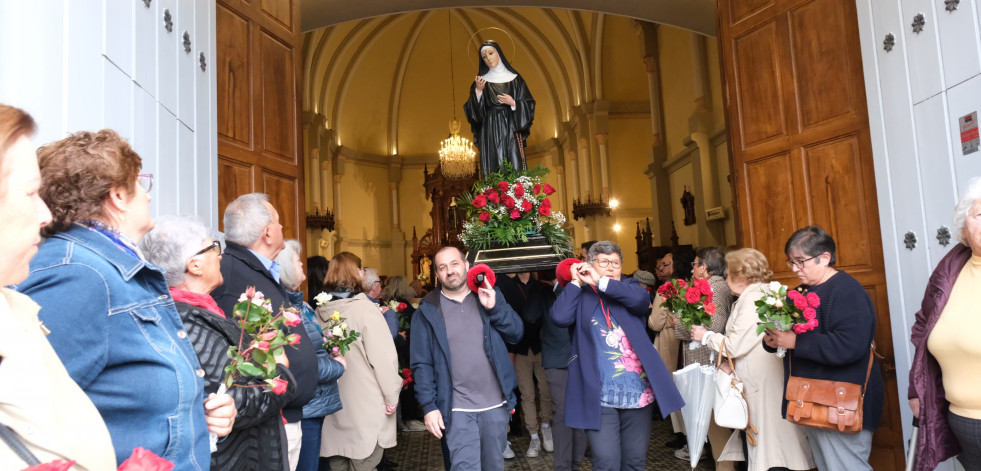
(372, 283)
(254, 237)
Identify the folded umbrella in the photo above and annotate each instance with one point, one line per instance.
(696, 384)
(911, 454)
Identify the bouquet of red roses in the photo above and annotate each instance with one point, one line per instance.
(783, 309)
(406, 375)
(690, 301)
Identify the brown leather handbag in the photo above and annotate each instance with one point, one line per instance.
(825, 404)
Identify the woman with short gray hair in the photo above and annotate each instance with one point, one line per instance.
(327, 398)
(943, 384)
(183, 247)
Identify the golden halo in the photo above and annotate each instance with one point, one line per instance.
(470, 56)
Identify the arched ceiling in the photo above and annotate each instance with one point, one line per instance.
(385, 83)
(695, 15)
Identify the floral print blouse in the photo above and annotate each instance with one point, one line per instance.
(625, 384)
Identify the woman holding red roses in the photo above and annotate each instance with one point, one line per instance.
(780, 444)
(836, 350)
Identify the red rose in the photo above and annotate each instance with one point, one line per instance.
(547, 202)
(515, 214)
(809, 313)
(525, 206)
(813, 299)
(811, 324)
(268, 335)
(548, 189)
(278, 386)
(710, 309)
(401, 307)
(264, 346)
(484, 216)
(703, 286)
(794, 295)
(682, 284)
(503, 186)
(519, 190)
(509, 202)
(145, 460)
(294, 339)
(544, 210)
(799, 301)
(667, 290)
(480, 201)
(800, 328)
(537, 188)
(291, 318)
(692, 296)
(493, 197)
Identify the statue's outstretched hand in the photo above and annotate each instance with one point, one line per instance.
(479, 82)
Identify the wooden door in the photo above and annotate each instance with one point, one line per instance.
(258, 60)
(801, 152)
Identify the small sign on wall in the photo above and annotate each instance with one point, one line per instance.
(969, 133)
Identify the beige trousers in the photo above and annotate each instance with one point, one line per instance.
(340, 463)
(524, 367)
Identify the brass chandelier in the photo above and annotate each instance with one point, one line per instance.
(457, 157)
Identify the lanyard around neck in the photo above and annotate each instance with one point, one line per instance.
(603, 308)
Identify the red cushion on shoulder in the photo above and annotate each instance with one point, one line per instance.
(562, 270)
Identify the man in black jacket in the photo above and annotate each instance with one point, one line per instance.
(254, 238)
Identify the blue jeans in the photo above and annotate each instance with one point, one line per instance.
(310, 445)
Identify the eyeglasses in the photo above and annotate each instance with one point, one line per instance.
(216, 246)
(603, 263)
(697, 263)
(799, 263)
(146, 181)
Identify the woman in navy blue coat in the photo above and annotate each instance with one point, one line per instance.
(614, 373)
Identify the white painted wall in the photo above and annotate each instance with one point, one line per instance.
(91, 64)
(916, 93)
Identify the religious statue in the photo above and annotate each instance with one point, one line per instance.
(688, 204)
(425, 265)
(500, 111)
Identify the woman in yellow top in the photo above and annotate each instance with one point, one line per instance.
(943, 380)
(39, 403)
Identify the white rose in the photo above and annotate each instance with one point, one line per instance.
(771, 300)
(779, 304)
(337, 331)
(322, 298)
(344, 326)
(775, 286)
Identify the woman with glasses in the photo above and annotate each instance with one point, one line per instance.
(190, 259)
(615, 373)
(111, 316)
(836, 350)
(709, 264)
(780, 445)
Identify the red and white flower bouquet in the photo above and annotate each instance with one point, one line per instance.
(783, 309)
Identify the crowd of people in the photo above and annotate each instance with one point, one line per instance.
(119, 327)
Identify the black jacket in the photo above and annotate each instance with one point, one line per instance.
(532, 302)
(241, 269)
(257, 441)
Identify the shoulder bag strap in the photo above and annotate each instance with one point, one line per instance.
(13, 441)
(868, 372)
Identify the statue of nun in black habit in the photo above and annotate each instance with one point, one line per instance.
(500, 111)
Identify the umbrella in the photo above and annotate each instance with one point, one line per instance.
(911, 454)
(696, 384)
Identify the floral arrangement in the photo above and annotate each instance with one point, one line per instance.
(506, 206)
(337, 336)
(691, 301)
(258, 359)
(406, 375)
(783, 309)
(399, 308)
(141, 460)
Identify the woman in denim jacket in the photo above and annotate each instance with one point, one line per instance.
(111, 317)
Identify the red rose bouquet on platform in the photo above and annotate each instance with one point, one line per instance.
(690, 301)
(506, 206)
(783, 309)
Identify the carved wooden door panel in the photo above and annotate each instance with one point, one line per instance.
(801, 152)
(258, 60)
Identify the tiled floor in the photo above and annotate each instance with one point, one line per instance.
(420, 451)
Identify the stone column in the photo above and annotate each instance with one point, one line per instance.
(313, 180)
(574, 166)
(658, 176)
(604, 166)
(700, 125)
(584, 173)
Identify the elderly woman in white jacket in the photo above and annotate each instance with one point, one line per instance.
(780, 444)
